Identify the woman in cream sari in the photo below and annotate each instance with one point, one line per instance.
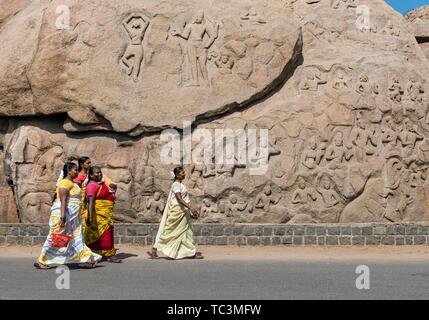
(175, 237)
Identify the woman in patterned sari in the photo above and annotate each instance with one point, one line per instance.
(66, 218)
(175, 237)
(98, 215)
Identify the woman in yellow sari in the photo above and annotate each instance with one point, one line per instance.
(98, 215)
(66, 218)
(175, 237)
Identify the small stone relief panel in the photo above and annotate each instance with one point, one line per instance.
(390, 29)
(253, 17)
(37, 207)
(150, 208)
(304, 194)
(199, 34)
(135, 26)
(344, 4)
(312, 78)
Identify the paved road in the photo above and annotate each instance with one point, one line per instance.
(228, 280)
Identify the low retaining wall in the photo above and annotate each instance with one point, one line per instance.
(249, 234)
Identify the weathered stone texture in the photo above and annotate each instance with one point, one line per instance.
(344, 102)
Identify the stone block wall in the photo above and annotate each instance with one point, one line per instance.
(249, 234)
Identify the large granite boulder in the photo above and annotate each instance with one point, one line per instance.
(117, 63)
(344, 101)
(419, 20)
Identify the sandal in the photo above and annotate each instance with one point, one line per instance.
(152, 254)
(197, 256)
(40, 266)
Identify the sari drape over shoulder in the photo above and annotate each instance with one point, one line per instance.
(99, 236)
(77, 251)
(175, 237)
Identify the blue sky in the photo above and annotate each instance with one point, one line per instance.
(404, 5)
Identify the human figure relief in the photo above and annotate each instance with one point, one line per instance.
(329, 195)
(135, 25)
(389, 138)
(209, 170)
(415, 91)
(207, 208)
(233, 207)
(313, 155)
(196, 50)
(395, 90)
(197, 176)
(303, 194)
(48, 164)
(397, 190)
(337, 152)
(363, 86)
(224, 63)
(312, 80)
(253, 17)
(155, 204)
(340, 82)
(363, 139)
(409, 137)
(266, 198)
(227, 167)
(414, 98)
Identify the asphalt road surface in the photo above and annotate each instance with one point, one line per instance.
(140, 278)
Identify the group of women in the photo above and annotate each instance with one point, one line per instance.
(83, 210)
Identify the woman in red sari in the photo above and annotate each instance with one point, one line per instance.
(98, 215)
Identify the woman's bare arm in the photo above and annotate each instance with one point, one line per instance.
(183, 203)
(91, 210)
(64, 193)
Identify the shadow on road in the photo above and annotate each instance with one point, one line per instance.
(124, 255)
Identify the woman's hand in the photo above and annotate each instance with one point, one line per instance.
(195, 213)
(63, 222)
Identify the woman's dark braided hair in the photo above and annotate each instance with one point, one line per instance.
(81, 161)
(176, 171)
(67, 167)
(91, 173)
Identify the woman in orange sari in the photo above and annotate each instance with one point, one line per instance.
(98, 215)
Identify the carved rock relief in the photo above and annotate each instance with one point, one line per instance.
(204, 61)
(347, 123)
